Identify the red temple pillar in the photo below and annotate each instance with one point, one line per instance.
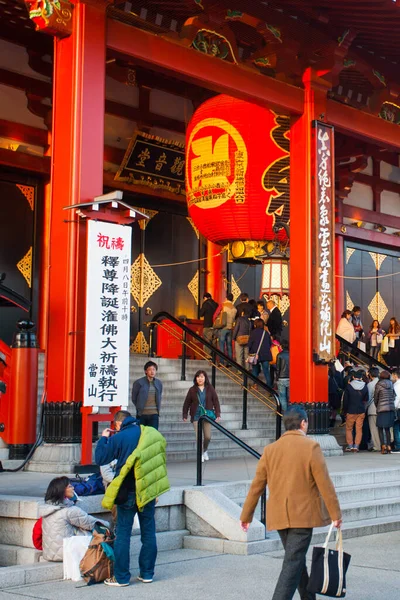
(308, 381)
(216, 271)
(76, 177)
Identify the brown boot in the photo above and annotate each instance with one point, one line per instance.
(383, 449)
(389, 449)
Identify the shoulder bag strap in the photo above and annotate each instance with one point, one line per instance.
(261, 341)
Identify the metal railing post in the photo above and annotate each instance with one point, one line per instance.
(183, 365)
(151, 338)
(214, 369)
(263, 508)
(199, 479)
(278, 425)
(244, 414)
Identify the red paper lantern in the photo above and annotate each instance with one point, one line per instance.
(237, 170)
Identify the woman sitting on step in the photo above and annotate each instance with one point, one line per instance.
(202, 399)
(62, 519)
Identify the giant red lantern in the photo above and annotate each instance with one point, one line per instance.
(237, 170)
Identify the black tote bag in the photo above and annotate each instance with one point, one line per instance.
(328, 568)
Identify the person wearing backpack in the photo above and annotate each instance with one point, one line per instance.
(355, 400)
(140, 477)
(62, 519)
(228, 314)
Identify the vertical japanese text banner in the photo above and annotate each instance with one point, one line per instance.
(324, 243)
(107, 315)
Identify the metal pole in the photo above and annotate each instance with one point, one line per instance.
(183, 365)
(278, 425)
(244, 415)
(199, 451)
(151, 337)
(213, 370)
(263, 508)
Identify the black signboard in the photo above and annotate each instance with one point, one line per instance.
(154, 161)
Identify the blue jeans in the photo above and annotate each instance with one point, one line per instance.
(265, 367)
(396, 435)
(149, 420)
(283, 391)
(225, 338)
(148, 553)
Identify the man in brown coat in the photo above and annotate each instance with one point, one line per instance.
(301, 496)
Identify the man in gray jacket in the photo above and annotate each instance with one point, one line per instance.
(146, 396)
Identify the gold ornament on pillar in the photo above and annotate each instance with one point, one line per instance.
(193, 286)
(24, 266)
(144, 280)
(140, 345)
(29, 193)
(235, 289)
(149, 213)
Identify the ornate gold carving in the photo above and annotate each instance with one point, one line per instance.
(194, 287)
(144, 281)
(349, 302)
(25, 267)
(29, 193)
(235, 289)
(150, 213)
(140, 345)
(349, 254)
(377, 307)
(197, 232)
(282, 303)
(378, 259)
(51, 16)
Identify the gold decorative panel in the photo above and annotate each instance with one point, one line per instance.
(29, 193)
(140, 345)
(197, 232)
(150, 213)
(378, 308)
(349, 254)
(144, 280)
(378, 259)
(194, 287)
(349, 302)
(282, 303)
(25, 266)
(235, 289)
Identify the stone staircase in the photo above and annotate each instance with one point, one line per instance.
(181, 444)
(205, 518)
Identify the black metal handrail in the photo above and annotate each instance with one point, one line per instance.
(214, 353)
(355, 353)
(233, 438)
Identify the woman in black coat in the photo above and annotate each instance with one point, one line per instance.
(384, 397)
(200, 398)
(262, 352)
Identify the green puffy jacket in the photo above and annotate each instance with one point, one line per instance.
(149, 463)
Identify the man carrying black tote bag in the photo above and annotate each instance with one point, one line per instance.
(301, 496)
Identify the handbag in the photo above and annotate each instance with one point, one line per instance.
(328, 568)
(242, 340)
(252, 359)
(385, 345)
(207, 413)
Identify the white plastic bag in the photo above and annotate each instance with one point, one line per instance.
(74, 550)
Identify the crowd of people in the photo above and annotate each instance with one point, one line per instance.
(380, 345)
(254, 331)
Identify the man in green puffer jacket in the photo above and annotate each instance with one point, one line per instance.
(141, 476)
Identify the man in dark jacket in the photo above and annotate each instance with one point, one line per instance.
(355, 400)
(207, 311)
(282, 375)
(260, 345)
(244, 307)
(120, 446)
(146, 396)
(275, 322)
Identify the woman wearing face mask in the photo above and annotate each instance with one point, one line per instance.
(62, 519)
(201, 397)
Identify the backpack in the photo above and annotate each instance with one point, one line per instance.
(89, 487)
(37, 534)
(221, 320)
(98, 561)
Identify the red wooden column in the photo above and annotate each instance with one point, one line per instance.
(76, 176)
(339, 263)
(216, 269)
(308, 381)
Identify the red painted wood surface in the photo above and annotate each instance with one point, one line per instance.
(169, 344)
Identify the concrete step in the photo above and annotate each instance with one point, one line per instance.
(4, 452)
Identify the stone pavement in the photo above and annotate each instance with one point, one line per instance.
(374, 574)
(214, 471)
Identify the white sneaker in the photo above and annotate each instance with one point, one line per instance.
(202, 457)
(205, 456)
